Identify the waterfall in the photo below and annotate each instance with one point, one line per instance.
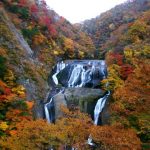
(75, 76)
(99, 107)
(80, 76)
(48, 112)
(49, 109)
(59, 67)
(83, 73)
(85, 76)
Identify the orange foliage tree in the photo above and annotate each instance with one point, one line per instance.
(70, 131)
(31, 135)
(135, 92)
(74, 128)
(115, 138)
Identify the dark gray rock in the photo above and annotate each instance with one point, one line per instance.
(64, 75)
(84, 98)
(59, 100)
(85, 94)
(38, 110)
(105, 114)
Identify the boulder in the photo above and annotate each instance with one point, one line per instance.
(64, 75)
(84, 98)
(59, 100)
(38, 110)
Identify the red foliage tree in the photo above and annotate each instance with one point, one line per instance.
(33, 8)
(125, 70)
(52, 30)
(45, 20)
(22, 3)
(115, 58)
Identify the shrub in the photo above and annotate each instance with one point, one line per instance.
(29, 33)
(2, 67)
(24, 13)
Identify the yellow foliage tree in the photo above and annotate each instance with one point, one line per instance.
(9, 78)
(3, 126)
(113, 80)
(20, 90)
(39, 39)
(69, 47)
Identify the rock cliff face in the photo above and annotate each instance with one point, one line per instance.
(27, 69)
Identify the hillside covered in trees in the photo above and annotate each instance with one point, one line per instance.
(33, 38)
(106, 28)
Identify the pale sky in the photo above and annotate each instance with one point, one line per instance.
(78, 10)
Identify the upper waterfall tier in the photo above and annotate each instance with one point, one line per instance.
(79, 73)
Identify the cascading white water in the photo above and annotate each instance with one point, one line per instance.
(85, 76)
(59, 67)
(99, 107)
(47, 112)
(47, 108)
(83, 73)
(103, 68)
(75, 76)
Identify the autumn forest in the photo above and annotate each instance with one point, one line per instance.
(34, 38)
